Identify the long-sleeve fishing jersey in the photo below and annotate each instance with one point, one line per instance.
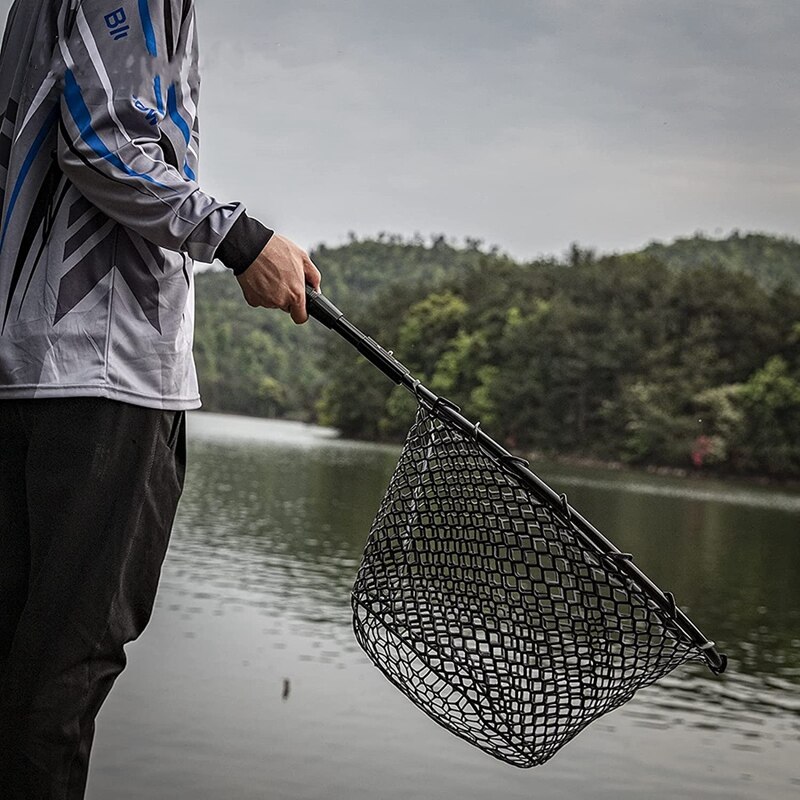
(102, 215)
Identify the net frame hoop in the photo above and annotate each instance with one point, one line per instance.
(446, 411)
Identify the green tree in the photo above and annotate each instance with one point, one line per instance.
(771, 405)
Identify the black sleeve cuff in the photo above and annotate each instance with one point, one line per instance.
(243, 243)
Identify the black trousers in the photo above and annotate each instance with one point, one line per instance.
(88, 493)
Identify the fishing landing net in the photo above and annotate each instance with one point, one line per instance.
(485, 607)
(490, 602)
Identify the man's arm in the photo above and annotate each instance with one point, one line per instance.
(126, 142)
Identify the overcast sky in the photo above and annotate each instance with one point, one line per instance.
(526, 124)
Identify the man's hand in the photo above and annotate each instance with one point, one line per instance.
(278, 277)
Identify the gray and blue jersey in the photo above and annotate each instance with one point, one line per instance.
(102, 215)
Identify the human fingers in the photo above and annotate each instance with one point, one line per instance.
(312, 274)
(298, 309)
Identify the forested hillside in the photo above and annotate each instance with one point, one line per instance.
(618, 357)
(772, 261)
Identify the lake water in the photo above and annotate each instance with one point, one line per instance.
(248, 683)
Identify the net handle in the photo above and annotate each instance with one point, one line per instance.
(325, 312)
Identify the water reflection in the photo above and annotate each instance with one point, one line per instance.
(273, 518)
(272, 525)
(734, 568)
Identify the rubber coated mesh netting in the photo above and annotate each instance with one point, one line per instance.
(488, 611)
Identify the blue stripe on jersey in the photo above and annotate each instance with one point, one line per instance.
(159, 94)
(51, 120)
(147, 26)
(172, 109)
(83, 119)
(180, 122)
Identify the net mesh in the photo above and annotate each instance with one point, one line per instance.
(485, 607)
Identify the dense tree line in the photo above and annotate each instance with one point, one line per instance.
(619, 357)
(772, 260)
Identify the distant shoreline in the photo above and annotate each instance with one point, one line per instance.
(655, 470)
(575, 460)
